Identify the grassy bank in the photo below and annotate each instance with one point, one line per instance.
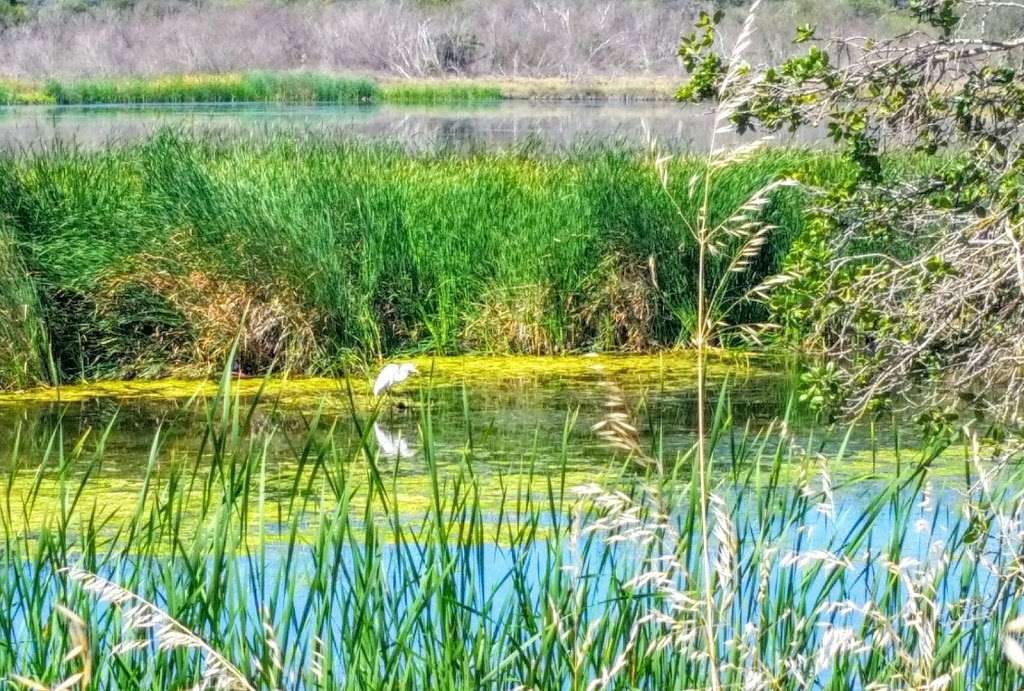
(21, 93)
(312, 87)
(247, 87)
(147, 260)
(637, 88)
(323, 568)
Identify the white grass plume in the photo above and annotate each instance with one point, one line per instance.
(79, 650)
(152, 624)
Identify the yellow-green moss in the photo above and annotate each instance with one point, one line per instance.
(676, 367)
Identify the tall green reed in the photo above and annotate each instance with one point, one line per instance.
(303, 571)
(24, 350)
(246, 87)
(431, 93)
(254, 87)
(141, 254)
(738, 239)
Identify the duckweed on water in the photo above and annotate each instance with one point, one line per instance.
(663, 369)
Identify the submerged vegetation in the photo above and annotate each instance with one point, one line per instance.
(148, 260)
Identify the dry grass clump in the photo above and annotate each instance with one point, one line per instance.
(273, 328)
(623, 303)
(512, 320)
(615, 310)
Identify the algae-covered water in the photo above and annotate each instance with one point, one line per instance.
(507, 420)
(447, 520)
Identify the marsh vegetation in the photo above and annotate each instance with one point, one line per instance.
(840, 508)
(277, 533)
(245, 87)
(148, 260)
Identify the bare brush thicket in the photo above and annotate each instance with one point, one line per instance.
(910, 279)
(527, 38)
(944, 318)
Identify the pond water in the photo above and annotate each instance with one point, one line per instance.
(503, 124)
(285, 504)
(499, 416)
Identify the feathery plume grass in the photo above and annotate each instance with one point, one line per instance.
(153, 626)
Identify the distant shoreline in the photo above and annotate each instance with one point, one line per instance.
(318, 87)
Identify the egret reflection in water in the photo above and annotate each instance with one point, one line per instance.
(392, 444)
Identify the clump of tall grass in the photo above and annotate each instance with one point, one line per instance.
(190, 315)
(19, 93)
(431, 93)
(209, 572)
(292, 87)
(250, 87)
(369, 249)
(23, 337)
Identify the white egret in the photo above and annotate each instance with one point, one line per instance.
(392, 445)
(392, 375)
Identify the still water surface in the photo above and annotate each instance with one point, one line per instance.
(518, 426)
(520, 124)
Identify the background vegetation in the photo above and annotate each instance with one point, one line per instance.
(573, 39)
(248, 87)
(911, 292)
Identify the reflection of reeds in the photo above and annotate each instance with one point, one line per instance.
(618, 428)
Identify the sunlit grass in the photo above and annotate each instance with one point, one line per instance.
(294, 87)
(313, 87)
(440, 92)
(14, 92)
(249, 87)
